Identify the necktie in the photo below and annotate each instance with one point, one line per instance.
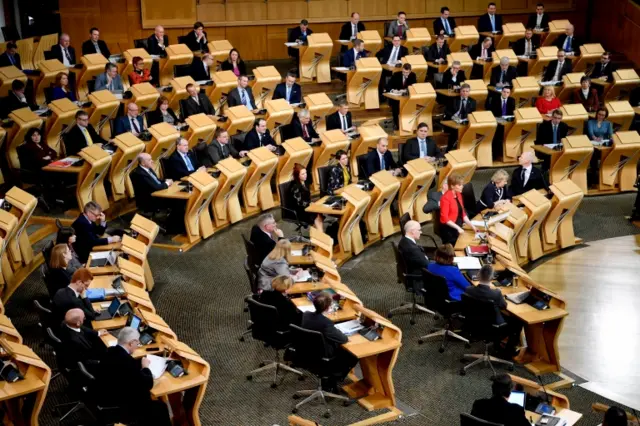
(223, 147)
(344, 122)
(555, 134)
(394, 54)
(358, 55)
(502, 76)
(423, 147)
(354, 31)
(11, 59)
(153, 175)
(484, 53)
(404, 81)
(243, 98)
(187, 161)
(97, 47)
(400, 29)
(527, 51)
(134, 125)
(504, 107)
(447, 28)
(87, 136)
(382, 165)
(305, 132)
(567, 44)
(556, 76)
(66, 53)
(523, 175)
(493, 22)
(260, 138)
(288, 93)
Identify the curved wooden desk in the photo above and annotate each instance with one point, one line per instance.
(105, 107)
(460, 162)
(8, 229)
(201, 129)
(520, 135)
(618, 167)
(177, 54)
(362, 84)
(256, 190)
(226, 205)
(163, 142)
(378, 214)
(7, 75)
(91, 178)
(369, 136)
(92, 66)
(478, 138)
(315, 58)
(49, 70)
(223, 83)
(266, 80)
(23, 205)
(414, 188)
(62, 119)
(123, 162)
(279, 113)
(332, 142)
(557, 229)
(296, 151)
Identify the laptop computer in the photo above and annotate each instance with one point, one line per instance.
(99, 259)
(111, 311)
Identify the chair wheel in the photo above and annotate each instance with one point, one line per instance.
(246, 309)
(462, 372)
(301, 378)
(347, 403)
(436, 318)
(249, 377)
(467, 345)
(294, 411)
(412, 322)
(389, 315)
(441, 350)
(274, 385)
(326, 415)
(262, 364)
(510, 368)
(420, 341)
(241, 338)
(296, 396)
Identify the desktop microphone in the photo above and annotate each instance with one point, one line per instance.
(543, 388)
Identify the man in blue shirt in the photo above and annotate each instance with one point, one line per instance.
(242, 95)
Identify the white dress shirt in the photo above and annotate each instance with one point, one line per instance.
(527, 174)
(393, 57)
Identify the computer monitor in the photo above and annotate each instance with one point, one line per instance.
(134, 322)
(113, 307)
(517, 397)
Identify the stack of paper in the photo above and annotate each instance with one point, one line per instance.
(467, 262)
(303, 276)
(157, 366)
(350, 327)
(307, 308)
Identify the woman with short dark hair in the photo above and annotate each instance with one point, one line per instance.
(444, 266)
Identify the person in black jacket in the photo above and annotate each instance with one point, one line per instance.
(301, 127)
(36, 153)
(16, 98)
(422, 146)
(453, 77)
(496, 193)
(287, 311)
(264, 235)
(158, 42)
(400, 82)
(501, 106)
(80, 343)
(526, 46)
(200, 69)
(257, 137)
(438, 51)
(81, 135)
(433, 198)
(381, 159)
(242, 95)
(58, 275)
(299, 33)
(568, 41)
(219, 149)
(483, 50)
(341, 119)
(146, 182)
(74, 296)
(340, 172)
(290, 91)
(557, 68)
(462, 106)
(350, 30)
(162, 113)
(89, 226)
(343, 361)
(490, 22)
(11, 57)
(391, 56)
(498, 409)
(64, 52)
(540, 19)
(95, 45)
(234, 63)
(526, 177)
(299, 197)
(196, 40)
(125, 382)
(445, 24)
(604, 68)
(196, 103)
(503, 75)
(552, 131)
(182, 162)
(413, 254)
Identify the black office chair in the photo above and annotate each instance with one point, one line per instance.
(38, 182)
(140, 43)
(362, 167)
(264, 327)
(252, 256)
(48, 95)
(182, 39)
(437, 226)
(10, 33)
(437, 298)
(478, 318)
(469, 199)
(410, 282)
(469, 420)
(91, 85)
(289, 214)
(46, 251)
(400, 153)
(182, 70)
(323, 179)
(309, 353)
(253, 284)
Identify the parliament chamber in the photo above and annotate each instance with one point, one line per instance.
(292, 212)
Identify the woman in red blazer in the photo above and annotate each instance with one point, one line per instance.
(140, 74)
(452, 214)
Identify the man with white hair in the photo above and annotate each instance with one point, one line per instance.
(568, 41)
(63, 51)
(526, 177)
(503, 74)
(413, 254)
(145, 182)
(125, 382)
(264, 235)
(157, 42)
(301, 127)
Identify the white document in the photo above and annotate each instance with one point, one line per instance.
(551, 145)
(202, 82)
(467, 262)
(306, 308)
(303, 276)
(341, 68)
(97, 255)
(157, 366)
(350, 327)
(296, 252)
(291, 44)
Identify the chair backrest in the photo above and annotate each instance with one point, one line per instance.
(401, 268)
(264, 319)
(479, 316)
(288, 211)
(45, 315)
(46, 251)
(182, 39)
(469, 420)
(400, 151)
(140, 43)
(10, 33)
(403, 221)
(362, 166)
(182, 70)
(386, 28)
(251, 275)
(436, 221)
(323, 179)
(469, 199)
(309, 346)
(91, 85)
(437, 291)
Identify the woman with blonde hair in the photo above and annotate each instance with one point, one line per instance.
(277, 297)
(276, 264)
(548, 102)
(496, 193)
(58, 276)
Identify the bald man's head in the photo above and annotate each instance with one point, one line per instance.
(145, 160)
(526, 158)
(133, 110)
(412, 229)
(74, 318)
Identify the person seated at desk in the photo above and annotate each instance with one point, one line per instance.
(290, 91)
(444, 267)
(39, 154)
(80, 343)
(140, 74)
(276, 296)
(58, 274)
(16, 98)
(557, 68)
(490, 22)
(453, 77)
(412, 253)
(547, 103)
(498, 409)
(67, 236)
(264, 235)
(400, 82)
(350, 56)
(257, 137)
(339, 173)
(350, 30)
(157, 42)
(502, 106)
(603, 69)
(11, 57)
(200, 69)
(109, 80)
(540, 19)
(132, 122)
(75, 296)
(146, 182)
(381, 159)
(445, 25)
(391, 55)
(301, 127)
(197, 103)
(275, 264)
(399, 27)
(482, 51)
(89, 226)
(496, 193)
(95, 45)
(298, 34)
(503, 75)
(182, 162)
(63, 51)
(568, 42)
(134, 397)
(485, 291)
(552, 131)
(341, 119)
(344, 361)
(234, 63)
(299, 197)
(61, 88)
(459, 108)
(452, 213)
(525, 177)
(196, 40)
(434, 197)
(219, 149)
(438, 51)
(81, 135)
(586, 95)
(600, 129)
(422, 146)
(162, 113)
(242, 95)
(526, 46)
(615, 416)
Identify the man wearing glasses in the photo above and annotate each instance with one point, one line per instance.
(81, 135)
(90, 229)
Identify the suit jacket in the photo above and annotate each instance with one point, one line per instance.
(228, 66)
(295, 97)
(456, 282)
(74, 140)
(497, 410)
(590, 103)
(294, 35)
(536, 181)
(533, 19)
(11, 103)
(395, 82)
(153, 47)
(192, 43)
(447, 78)
(155, 116)
(56, 279)
(608, 71)
(454, 106)
(383, 55)
(82, 346)
(6, 62)
(491, 195)
(210, 155)
(190, 107)
(373, 162)
(433, 201)
(476, 50)
(484, 23)
(123, 124)
(287, 311)
(411, 149)
(439, 26)
(333, 337)
(176, 168)
(294, 130)
(413, 256)
(393, 29)
(234, 99)
(262, 242)
(58, 93)
(87, 237)
(519, 46)
(551, 69)
(89, 48)
(575, 43)
(101, 83)
(117, 362)
(334, 122)
(431, 54)
(346, 30)
(56, 53)
(510, 74)
(486, 293)
(349, 58)
(65, 299)
(269, 269)
(336, 178)
(252, 140)
(545, 133)
(32, 156)
(496, 106)
(144, 185)
(197, 70)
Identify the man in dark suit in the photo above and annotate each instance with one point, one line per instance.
(350, 56)
(196, 103)
(132, 122)
(540, 19)
(257, 137)
(453, 77)
(300, 33)
(412, 253)
(81, 135)
(89, 227)
(438, 51)
(11, 57)
(381, 159)
(604, 68)
(490, 22)
(196, 40)
(125, 382)
(74, 297)
(80, 343)
(461, 108)
(264, 235)
(399, 82)
(182, 162)
(158, 42)
(482, 50)
(553, 131)
(242, 95)
(568, 41)
(341, 119)
(421, 146)
(503, 75)
(445, 24)
(301, 127)
(558, 68)
(219, 149)
(526, 177)
(146, 182)
(16, 98)
(433, 198)
(64, 52)
(200, 69)
(391, 56)
(95, 45)
(350, 30)
(290, 91)
(498, 409)
(501, 106)
(526, 46)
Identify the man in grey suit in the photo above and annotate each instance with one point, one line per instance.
(219, 149)
(433, 198)
(109, 80)
(399, 27)
(242, 95)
